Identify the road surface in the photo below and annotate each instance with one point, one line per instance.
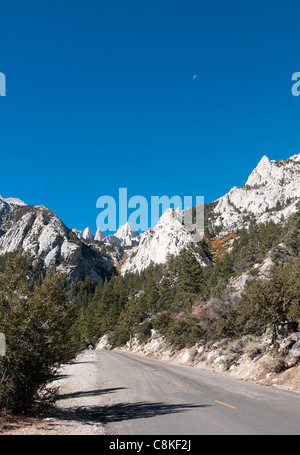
(134, 395)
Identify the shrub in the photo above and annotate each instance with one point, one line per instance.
(230, 359)
(270, 304)
(36, 326)
(253, 349)
(274, 364)
(181, 332)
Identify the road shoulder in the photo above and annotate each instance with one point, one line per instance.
(78, 393)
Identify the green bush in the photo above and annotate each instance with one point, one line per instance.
(181, 332)
(36, 325)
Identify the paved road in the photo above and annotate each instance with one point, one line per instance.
(150, 397)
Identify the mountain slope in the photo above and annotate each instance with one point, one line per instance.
(272, 190)
(42, 235)
(126, 235)
(168, 237)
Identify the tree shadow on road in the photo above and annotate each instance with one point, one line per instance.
(124, 411)
(141, 410)
(88, 393)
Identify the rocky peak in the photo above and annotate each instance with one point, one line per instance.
(87, 234)
(168, 237)
(272, 190)
(100, 235)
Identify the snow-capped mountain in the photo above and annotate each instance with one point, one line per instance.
(78, 233)
(272, 190)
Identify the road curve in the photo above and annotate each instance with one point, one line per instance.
(151, 397)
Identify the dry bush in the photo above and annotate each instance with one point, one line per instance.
(253, 349)
(230, 359)
(273, 364)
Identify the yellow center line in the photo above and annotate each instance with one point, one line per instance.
(158, 374)
(225, 404)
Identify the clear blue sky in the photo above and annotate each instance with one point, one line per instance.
(101, 95)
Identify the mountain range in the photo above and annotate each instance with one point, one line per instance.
(271, 192)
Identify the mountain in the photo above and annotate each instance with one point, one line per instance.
(99, 235)
(38, 232)
(126, 235)
(87, 234)
(78, 233)
(12, 201)
(271, 191)
(168, 237)
(7, 205)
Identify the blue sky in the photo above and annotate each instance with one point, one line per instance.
(101, 96)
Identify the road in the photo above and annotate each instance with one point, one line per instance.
(141, 396)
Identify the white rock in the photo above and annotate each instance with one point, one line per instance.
(269, 183)
(168, 237)
(100, 235)
(87, 234)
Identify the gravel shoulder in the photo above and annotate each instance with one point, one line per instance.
(78, 392)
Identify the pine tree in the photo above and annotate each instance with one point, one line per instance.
(191, 276)
(165, 294)
(150, 297)
(127, 321)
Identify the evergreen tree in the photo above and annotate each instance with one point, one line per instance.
(272, 303)
(127, 322)
(148, 300)
(191, 276)
(165, 295)
(36, 324)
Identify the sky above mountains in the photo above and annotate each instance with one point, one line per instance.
(161, 97)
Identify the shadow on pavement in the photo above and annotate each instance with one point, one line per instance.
(124, 411)
(89, 393)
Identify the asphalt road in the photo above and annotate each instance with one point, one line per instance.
(142, 396)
